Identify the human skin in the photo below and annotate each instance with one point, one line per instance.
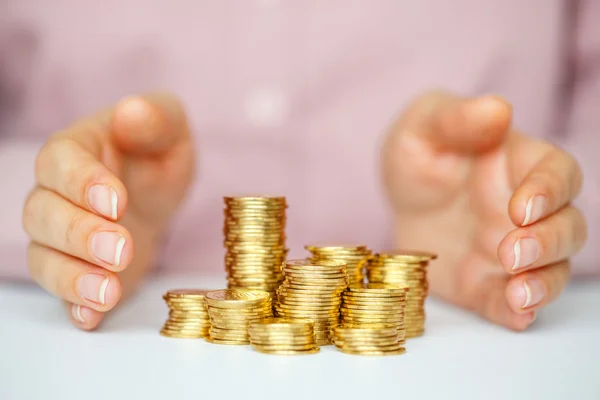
(460, 180)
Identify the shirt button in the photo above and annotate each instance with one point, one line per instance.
(267, 107)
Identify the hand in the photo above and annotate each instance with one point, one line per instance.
(103, 184)
(494, 204)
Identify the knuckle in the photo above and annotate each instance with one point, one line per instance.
(32, 265)
(73, 230)
(576, 180)
(29, 215)
(559, 277)
(73, 171)
(46, 156)
(579, 229)
(557, 243)
(550, 186)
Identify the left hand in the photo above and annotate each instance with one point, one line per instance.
(494, 203)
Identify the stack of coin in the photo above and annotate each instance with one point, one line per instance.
(231, 310)
(311, 291)
(374, 303)
(188, 315)
(406, 269)
(283, 336)
(355, 257)
(254, 232)
(368, 340)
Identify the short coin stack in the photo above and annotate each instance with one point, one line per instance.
(368, 340)
(406, 269)
(231, 310)
(188, 315)
(254, 232)
(311, 291)
(355, 257)
(283, 336)
(372, 303)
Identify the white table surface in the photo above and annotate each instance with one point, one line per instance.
(461, 357)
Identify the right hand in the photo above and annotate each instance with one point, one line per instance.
(102, 184)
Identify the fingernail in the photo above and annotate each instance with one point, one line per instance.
(93, 287)
(107, 246)
(103, 200)
(534, 209)
(76, 312)
(532, 293)
(526, 252)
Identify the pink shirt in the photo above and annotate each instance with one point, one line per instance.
(288, 96)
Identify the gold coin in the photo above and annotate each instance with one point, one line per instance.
(190, 324)
(374, 297)
(289, 352)
(286, 288)
(183, 334)
(299, 276)
(238, 298)
(220, 321)
(308, 305)
(192, 317)
(227, 342)
(180, 336)
(240, 311)
(274, 347)
(313, 271)
(308, 263)
(239, 338)
(283, 342)
(406, 256)
(368, 329)
(335, 247)
(369, 313)
(373, 307)
(282, 323)
(300, 333)
(305, 310)
(282, 336)
(371, 347)
(374, 353)
(239, 318)
(377, 288)
(331, 289)
(187, 293)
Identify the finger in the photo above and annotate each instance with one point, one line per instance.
(83, 317)
(552, 183)
(465, 125)
(70, 165)
(484, 292)
(53, 222)
(73, 280)
(492, 305)
(149, 124)
(534, 289)
(548, 241)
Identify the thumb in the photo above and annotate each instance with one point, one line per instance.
(452, 123)
(148, 124)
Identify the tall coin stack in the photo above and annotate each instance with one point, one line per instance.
(188, 315)
(368, 340)
(374, 303)
(355, 257)
(254, 232)
(283, 336)
(312, 291)
(405, 269)
(232, 310)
